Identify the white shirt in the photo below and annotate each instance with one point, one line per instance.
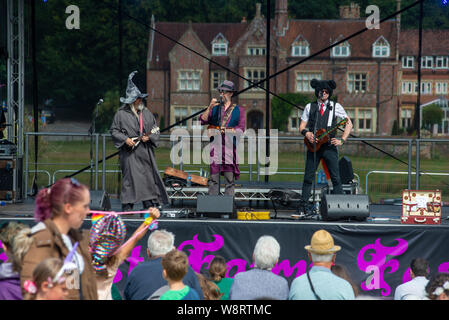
(79, 261)
(412, 290)
(339, 111)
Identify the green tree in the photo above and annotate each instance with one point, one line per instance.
(107, 111)
(281, 110)
(432, 114)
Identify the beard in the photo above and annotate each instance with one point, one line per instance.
(140, 107)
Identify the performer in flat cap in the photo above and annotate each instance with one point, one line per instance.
(322, 114)
(135, 133)
(229, 124)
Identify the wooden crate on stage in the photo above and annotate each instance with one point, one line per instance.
(421, 207)
(172, 172)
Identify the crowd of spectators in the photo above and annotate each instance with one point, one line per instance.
(57, 260)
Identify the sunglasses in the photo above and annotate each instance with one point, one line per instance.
(325, 91)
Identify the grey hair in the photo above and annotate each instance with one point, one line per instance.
(266, 252)
(160, 242)
(321, 257)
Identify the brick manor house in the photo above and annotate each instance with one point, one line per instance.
(375, 72)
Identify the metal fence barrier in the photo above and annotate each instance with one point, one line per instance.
(96, 171)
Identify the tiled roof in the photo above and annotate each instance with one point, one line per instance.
(319, 33)
(322, 33)
(434, 42)
(205, 31)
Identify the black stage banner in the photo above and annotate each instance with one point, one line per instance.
(377, 256)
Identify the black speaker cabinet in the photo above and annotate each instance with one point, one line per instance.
(221, 206)
(345, 168)
(99, 200)
(344, 207)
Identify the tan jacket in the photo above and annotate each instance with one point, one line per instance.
(48, 243)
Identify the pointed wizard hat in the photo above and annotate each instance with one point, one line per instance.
(132, 92)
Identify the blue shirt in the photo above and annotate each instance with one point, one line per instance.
(414, 289)
(258, 284)
(146, 278)
(327, 285)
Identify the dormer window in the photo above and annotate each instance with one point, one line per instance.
(342, 50)
(300, 48)
(220, 46)
(381, 48)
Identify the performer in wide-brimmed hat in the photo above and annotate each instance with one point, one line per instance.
(229, 124)
(135, 133)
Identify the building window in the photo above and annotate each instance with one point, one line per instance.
(409, 87)
(300, 49)
(357, 82)
(189, 80)
(182, 112)
(219, 46)
(441, 88)
(256, 51)
(427, 62)
(217, 78)
(441, 62)
(426, 87)
(362, 118)
(303, 81)
(342, 50)
(408, 62)
(254, 75)
(381, 48)
(294, 120)
(406, 117)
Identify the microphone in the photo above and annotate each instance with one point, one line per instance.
(100, 101)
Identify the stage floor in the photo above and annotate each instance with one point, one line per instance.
(379, 213)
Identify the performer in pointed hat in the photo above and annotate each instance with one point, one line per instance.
(135, 133)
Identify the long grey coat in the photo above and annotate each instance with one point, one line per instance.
(141, 179)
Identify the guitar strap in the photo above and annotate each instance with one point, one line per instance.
(141, 123)
(227, 114)
(330, 119)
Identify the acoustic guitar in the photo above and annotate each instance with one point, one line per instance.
(323, 136)
(137, 140)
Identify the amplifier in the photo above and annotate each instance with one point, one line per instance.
(175, 213)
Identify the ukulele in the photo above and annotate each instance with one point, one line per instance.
(137, 140)
(323, 136)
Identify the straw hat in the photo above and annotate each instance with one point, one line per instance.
(322, 243)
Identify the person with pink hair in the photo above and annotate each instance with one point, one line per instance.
(60, 211)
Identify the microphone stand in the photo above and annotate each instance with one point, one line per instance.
(314, 160)
(91, 133)
(220, 102)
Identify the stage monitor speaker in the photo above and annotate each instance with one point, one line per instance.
(99, 200)
(345, 168)
(344, 207)
(215, 206)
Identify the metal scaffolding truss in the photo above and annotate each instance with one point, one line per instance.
(16, 72)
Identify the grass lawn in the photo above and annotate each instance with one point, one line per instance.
(74, 155)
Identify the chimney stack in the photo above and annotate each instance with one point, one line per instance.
(281, 17)
(350, 12)
(258, 10)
